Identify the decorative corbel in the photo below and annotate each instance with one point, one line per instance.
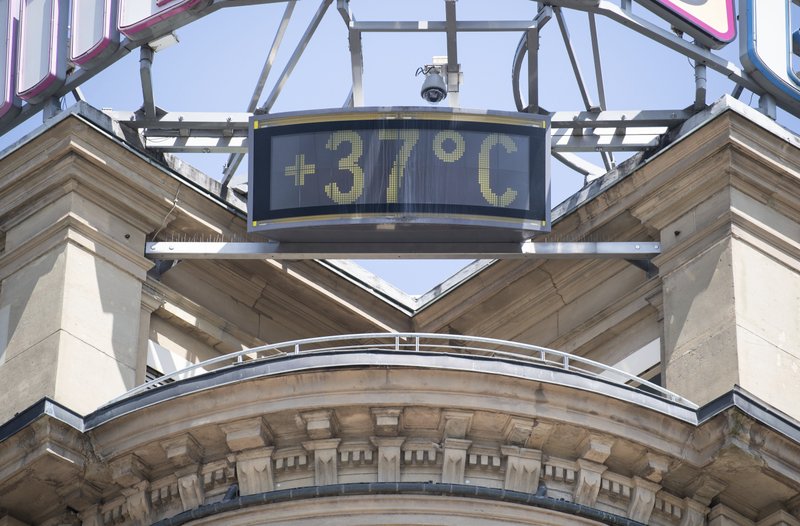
(643, 499)
(325, 460)
(389, 451)
(523, 468)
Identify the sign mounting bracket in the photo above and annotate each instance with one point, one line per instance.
(636, 252)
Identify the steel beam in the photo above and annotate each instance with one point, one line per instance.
(638, 250)
(235, 159)
(453, 72)
(357, 67)
(543, 16)
(605, 131)
(295, 58)
(563, 140)
(579, 164)
(573, 58)
(618, 119)
(146, 75)
(176, 120)
(425, 26)
(561, 119)
(197, 144)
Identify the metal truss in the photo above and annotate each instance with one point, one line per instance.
(572, 132)
(592, 129)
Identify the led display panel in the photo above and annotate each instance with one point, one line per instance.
(399, 168)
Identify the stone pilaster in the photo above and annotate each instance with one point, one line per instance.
(151, 302)
(71, 272)
(730, 265)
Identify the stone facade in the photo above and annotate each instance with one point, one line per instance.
(412, 441)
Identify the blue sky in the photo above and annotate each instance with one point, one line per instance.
(216, 64)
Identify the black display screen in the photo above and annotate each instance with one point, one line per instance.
(398, 167)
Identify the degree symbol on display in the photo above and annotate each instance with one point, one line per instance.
(449, 146)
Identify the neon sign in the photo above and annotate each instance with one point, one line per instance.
(143, 19)
(766, 48)
(711, 22)
(36, 53)
(42, 65)
(9, 25)
(94, 30)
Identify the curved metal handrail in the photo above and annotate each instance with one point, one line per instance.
(418, 342)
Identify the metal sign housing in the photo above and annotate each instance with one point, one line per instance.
(10, 104)
(711, 22)
(95, 36)
(42, 49)
(401, 174)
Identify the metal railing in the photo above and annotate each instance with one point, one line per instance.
(419, 342)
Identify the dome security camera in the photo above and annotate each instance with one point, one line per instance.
(434, 89)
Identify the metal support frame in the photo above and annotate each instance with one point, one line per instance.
(608, 157)
(211, 137)
(573, 59)
(543, 16)
(636, 250)
(453, 75)
(767, 106)
(598, 130)
(52, 107)
(700, 86)
(235, 159)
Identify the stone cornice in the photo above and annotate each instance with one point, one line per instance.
(75, 231)
(626, 469)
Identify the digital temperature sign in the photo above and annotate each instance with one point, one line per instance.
(436, 173)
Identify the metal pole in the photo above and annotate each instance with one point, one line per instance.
(146, 75)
